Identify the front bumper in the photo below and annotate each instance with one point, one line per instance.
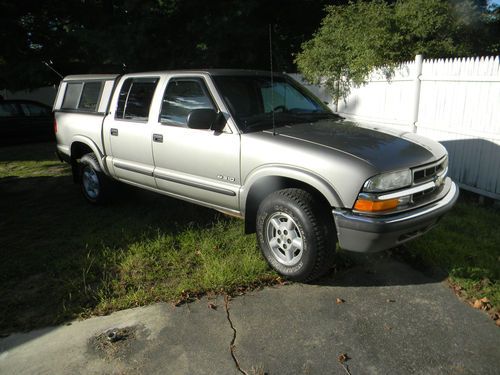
(370, 234)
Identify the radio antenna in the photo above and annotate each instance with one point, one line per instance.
(272, 77)
(51, 68)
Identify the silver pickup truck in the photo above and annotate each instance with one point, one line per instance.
(260, 147)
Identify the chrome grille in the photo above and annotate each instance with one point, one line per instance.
(429, 172)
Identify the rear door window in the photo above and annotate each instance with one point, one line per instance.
(135, 98)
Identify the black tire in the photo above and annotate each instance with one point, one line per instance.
(93, 182)
(289, 218)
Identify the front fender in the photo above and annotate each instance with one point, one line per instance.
(285, 171)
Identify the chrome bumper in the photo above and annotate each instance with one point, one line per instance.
(371, 234)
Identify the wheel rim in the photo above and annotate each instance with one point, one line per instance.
(284, 239)
(90, 182)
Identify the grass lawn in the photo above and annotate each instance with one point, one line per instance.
(466, 245)
(63, 258)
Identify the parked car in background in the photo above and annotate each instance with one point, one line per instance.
(23, 121)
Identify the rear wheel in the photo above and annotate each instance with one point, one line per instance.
(296, 235)
(92, 181)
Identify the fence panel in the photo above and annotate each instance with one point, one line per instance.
(458, 104)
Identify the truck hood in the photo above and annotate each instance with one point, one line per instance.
(385, 149)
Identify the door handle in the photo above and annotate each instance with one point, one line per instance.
(114, 131)
(158, 138)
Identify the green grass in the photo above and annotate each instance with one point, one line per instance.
(466, 245)
(63, 258)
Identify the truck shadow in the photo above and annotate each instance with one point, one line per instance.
(52, 244)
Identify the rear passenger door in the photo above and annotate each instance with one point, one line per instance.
(129, 131)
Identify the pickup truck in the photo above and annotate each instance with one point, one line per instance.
(258, 146)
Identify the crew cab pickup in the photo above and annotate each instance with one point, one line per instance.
(258, 146)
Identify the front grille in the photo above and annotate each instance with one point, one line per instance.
(428, 172)
(424, 174)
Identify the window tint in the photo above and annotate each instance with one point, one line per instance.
(135, 98)
(181, 97)
(7, 110)
(31, 109)
(72, 95)
(90, 96)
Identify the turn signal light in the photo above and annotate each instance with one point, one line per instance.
(375, 206)
(55, 126)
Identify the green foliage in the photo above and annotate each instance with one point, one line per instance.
(351, 41)
(356, 38)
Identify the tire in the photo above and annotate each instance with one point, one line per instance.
(93, 182)
(295, 235)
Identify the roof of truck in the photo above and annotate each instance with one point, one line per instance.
(213, 72)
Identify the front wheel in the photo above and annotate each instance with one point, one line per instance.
(93, 182)
(296, 235)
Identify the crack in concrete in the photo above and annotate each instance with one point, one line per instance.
(231, 345)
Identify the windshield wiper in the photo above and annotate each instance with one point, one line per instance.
(319, 115)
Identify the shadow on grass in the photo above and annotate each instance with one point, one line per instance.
(53, 243)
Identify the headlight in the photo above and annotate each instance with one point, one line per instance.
(388, 181)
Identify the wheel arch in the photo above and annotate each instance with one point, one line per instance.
(80, 146)
(261, 184)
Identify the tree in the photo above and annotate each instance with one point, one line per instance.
(356, 38)
(116, 36)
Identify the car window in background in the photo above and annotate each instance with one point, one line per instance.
(31, 109)
(8, 110)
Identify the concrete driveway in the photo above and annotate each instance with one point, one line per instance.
(394, 320)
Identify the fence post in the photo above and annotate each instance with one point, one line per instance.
(416, 91)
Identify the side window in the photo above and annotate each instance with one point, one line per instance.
(72, 95)
(7, 110)
(181, 97)
(90, 96)
(135, 98)
(31, 109)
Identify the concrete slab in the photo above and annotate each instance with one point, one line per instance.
(403, 323)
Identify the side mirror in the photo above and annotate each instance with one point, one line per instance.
(201, 118)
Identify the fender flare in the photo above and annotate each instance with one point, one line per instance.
(286, 171)
(95, 149)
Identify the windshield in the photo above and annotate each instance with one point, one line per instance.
(252, 99)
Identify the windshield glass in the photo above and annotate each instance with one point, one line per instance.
(252, 99)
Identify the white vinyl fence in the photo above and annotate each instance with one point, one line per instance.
(454, 101)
